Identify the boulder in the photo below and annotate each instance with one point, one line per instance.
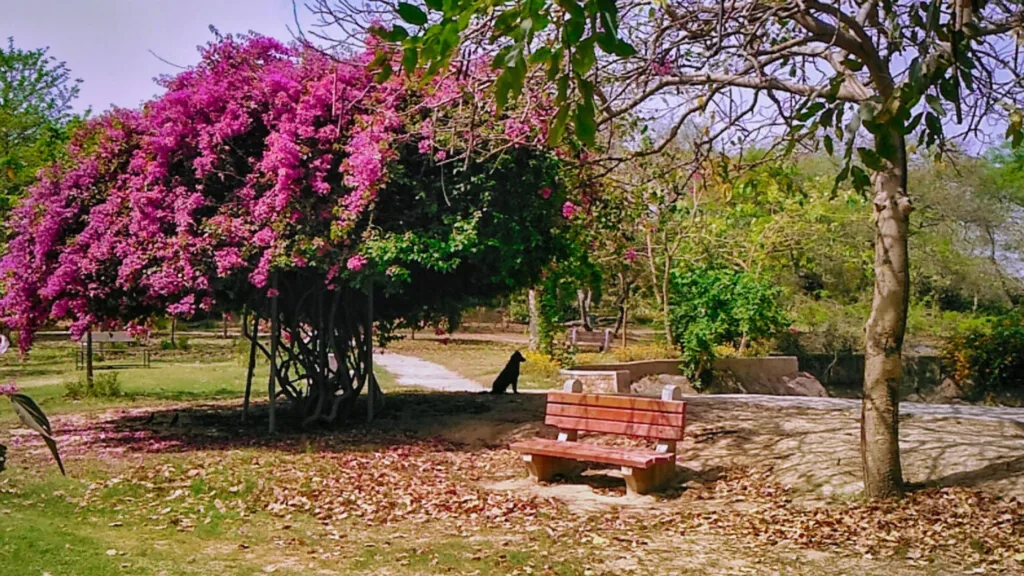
(797, 384)
(945, 393)
(653, 385)
(803, 384)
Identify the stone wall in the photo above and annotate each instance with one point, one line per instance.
(844, 375)
(616, 378)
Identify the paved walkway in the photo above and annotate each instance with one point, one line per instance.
(412, 371)
(917, 409)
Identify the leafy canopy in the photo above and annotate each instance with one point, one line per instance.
(269, 159)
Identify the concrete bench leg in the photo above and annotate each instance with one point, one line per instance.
(544, 468)
(647, 480)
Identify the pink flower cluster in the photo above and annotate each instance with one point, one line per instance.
(263, 156)
(8, 389)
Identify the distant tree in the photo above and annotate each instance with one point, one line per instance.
(36, 92)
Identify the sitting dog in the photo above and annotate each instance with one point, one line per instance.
(509, 375)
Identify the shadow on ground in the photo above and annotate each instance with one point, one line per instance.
(815, 452)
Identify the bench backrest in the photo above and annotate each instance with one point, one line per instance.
(614, 414)
(601, 338)
(108, 337)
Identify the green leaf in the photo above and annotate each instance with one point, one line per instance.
(33, 417)
(542, 54)
(624, 49)
(557, 129)
(827, 140)
(861, 180)
(886, 146)
(914, 122)
(583, 60)
(935, 104)
(412, 14)
(410, 57)
(870, 158)
(573, 31)
(853, 64)
(384, 74)
(810, 111)
(437, 5)
(586, 125)
(396, 34)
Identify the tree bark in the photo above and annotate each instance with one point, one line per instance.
(88, 357)
(583, 302)
(253, 335)
(880, 450)
(534, 326)
(275, 339)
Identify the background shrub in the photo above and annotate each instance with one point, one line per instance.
(987, 358)
(715, 305)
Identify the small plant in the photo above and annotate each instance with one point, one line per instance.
(179, 343)
(541, 365)
(30, 415)
(105, 385)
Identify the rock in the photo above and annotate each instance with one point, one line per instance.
(797, 384)
(653, 385)
(803, 384)
(725, 382)
(945, 393)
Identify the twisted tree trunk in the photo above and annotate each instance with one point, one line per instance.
(880, 450)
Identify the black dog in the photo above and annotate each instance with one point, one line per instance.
(509, 376)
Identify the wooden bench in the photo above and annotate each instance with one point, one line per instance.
(571, 412)
(580, 337)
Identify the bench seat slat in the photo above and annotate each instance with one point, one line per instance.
(617, 414)
(593, 453)
(609, 427)
(612, 401)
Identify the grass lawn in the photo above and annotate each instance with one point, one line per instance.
(481, 361)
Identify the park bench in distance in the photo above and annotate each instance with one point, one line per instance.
(101, 339)
(572, 412)
(580, 337)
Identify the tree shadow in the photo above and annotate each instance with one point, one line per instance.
(453, 421)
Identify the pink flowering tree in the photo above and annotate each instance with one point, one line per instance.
(278, 180)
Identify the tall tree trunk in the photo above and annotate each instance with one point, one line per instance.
(174, 328)
(534, 326)
(883, 372)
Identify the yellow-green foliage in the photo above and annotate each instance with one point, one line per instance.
(540, 365)
(631, 353)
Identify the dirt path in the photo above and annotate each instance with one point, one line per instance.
(412, 371)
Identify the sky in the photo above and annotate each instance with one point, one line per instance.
(106, 43)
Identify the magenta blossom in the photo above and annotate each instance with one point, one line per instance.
(356, 263)
(545, 192)
(630, 255)
(569, 210)
(9, 389)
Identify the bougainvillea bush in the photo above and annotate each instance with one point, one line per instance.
(275, 170)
